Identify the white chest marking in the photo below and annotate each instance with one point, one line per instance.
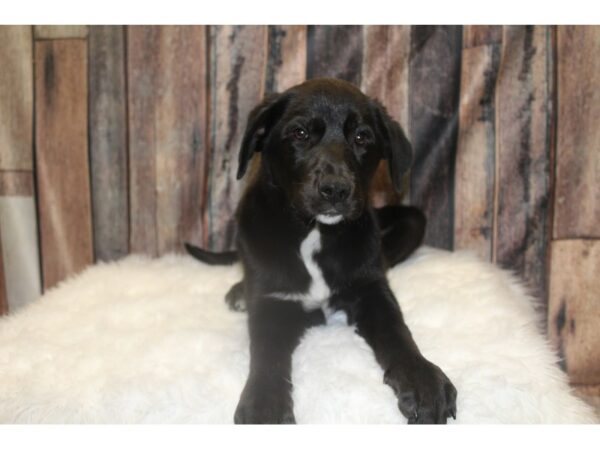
(318, 291)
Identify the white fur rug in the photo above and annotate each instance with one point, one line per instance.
(152, 341)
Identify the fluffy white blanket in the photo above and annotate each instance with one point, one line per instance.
(145, 340)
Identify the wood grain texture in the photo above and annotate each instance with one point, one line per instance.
(523, 154)
(384, 76)
(20, 250)
(475, 163)
(476, 35)
(286, 63)
(62, 158)
(16, 98)
(60, 31)
(108, 141)
(3, 296)
(574, 309)
(237, 85)
(167, 123)
(18, 184)
(335, 51)
(577, 200)
(434, 96)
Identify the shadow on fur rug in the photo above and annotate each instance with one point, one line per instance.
(152, 341)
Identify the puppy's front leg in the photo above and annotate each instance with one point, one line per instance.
(425, 394)
(275, 327)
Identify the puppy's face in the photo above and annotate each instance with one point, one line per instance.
(321, 143)
(322, 151)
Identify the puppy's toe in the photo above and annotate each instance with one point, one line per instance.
(450, 391)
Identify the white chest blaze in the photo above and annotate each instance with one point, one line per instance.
(318, 291)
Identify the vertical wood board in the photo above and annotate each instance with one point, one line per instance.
(16, 98)
(524, 154)
(62, 158)
(577, 201)
(476, 35)
(286, 62)
(237, 81)
(335, 51)
(434, 98)
(20, 250)
(108, 141)
(475, 164)
(574, 309)
(167, 122)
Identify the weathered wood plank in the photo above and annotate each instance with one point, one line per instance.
(384, 75)
(167, 123)
(16, 98)
(475, 35)
(523, 154)
(286, 63)
(475, 164)
(62, 158)
(3, 296)
(144, 82)
(574, 309)
(108, 141)
(237, 85)
(16, 183)
(60, 31)
(335, 51)
(19, 232)
(434, 96)
(577, 204)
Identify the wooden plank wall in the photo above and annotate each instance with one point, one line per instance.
(108, 141)
(434, 77)
(166, 72)
(20, 271)
(137, 129)
(62, 169)
(574, 297)
(237, 84)
(524, 152)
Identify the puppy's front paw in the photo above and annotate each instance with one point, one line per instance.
(262, 403)
(424, 392)
(235, 297)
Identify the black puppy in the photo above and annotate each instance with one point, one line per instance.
(310, 244)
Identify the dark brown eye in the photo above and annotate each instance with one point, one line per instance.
(360, 139)
(300, 134)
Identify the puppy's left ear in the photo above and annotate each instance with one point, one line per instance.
(260, 122)
(396, 148)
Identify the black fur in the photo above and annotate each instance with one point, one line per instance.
(321, 142)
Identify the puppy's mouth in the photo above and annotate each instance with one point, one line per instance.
(331, 217)
(333, 214)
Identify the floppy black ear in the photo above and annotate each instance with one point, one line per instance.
(260, 122)
(396, 148)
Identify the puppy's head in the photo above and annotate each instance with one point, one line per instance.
(321, 142)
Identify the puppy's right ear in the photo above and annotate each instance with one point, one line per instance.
(260, 122)
(396, 148)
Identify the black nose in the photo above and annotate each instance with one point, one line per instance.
(334, 189)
